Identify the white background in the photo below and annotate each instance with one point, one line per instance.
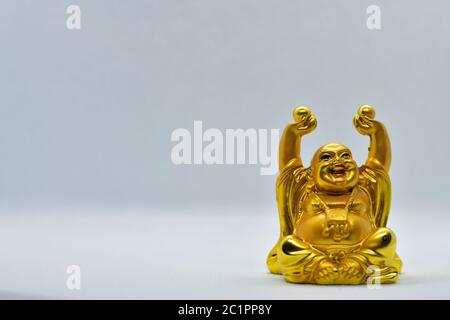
(86, 117)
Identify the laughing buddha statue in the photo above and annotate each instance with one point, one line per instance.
(333, 214)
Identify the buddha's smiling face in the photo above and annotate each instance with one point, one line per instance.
(334, 169)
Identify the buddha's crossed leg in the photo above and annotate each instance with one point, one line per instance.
(302, 263)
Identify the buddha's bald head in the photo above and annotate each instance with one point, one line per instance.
(334, 169)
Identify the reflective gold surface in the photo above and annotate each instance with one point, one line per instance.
(333, 214)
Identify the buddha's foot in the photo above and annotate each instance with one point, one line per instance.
(347, 271)
(327, 272)
(351, 272)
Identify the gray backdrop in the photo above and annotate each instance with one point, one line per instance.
(86, 116)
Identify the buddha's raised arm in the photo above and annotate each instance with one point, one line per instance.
(379, 156)
(305, 122)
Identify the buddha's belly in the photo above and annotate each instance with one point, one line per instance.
(316, 230)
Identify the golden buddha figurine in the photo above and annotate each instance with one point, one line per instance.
(333, 214)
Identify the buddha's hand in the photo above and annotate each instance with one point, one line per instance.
(365, 122)
(305, 121)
